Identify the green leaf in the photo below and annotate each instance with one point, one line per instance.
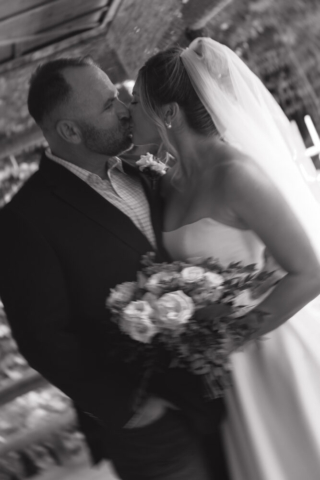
(212, 311)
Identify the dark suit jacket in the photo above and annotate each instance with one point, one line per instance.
(62, 247)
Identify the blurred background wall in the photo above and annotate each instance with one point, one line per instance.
(279, 40)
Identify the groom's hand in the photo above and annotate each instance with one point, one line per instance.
(152, 409)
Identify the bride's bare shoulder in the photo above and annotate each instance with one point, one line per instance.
(238, 168)
(244, 180)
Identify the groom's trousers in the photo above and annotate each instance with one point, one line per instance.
(168, 449)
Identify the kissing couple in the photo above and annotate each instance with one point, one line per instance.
(82, 222)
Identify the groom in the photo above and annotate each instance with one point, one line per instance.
(76, 229)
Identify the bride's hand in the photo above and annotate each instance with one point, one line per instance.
(152, 409)
(257, 320)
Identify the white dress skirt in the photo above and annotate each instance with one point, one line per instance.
(272, 431)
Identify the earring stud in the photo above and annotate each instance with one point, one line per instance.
(168, 125)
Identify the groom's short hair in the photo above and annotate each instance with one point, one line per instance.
(48, 87)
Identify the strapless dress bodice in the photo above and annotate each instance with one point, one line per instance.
(209, 238)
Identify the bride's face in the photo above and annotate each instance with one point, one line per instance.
(144, 130)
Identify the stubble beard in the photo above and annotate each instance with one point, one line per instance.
(106, 142)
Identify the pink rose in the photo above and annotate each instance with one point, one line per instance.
(158, 281)
(213, 280)
(174, 309)
(137, 323)
(192, 274)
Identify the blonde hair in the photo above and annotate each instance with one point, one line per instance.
(163, 80)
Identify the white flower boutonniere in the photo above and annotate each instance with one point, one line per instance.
(152, 166)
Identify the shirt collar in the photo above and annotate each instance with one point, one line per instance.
(115, 162)
(111, 163)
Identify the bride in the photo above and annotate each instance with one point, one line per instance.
(235, 193)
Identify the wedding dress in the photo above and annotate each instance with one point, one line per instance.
(272, 431)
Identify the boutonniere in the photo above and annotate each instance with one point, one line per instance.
(152, 166)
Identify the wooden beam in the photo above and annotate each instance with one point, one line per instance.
(27, 43)
(6, 52)
(83, 37)
(8, 8)
(47, 16)
(209, 14)
(111, 13)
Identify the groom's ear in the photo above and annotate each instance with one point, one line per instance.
(69, 131)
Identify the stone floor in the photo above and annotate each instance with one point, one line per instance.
(103, 472)
(78, 467)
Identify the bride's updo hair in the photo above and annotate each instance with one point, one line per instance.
(162, 80)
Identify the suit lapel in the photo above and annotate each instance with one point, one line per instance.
(83, 198)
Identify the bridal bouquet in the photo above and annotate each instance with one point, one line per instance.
(192, 310)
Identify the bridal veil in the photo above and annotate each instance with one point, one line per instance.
(248, 117)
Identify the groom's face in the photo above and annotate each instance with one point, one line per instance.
(103, 120)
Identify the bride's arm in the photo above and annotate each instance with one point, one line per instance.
(257, 202)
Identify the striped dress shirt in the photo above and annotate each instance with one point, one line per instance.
(124, 192)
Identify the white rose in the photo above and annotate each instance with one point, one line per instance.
(154, 282)
(192, 274)
(137, 323)
(213, 280)
(174, 309)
